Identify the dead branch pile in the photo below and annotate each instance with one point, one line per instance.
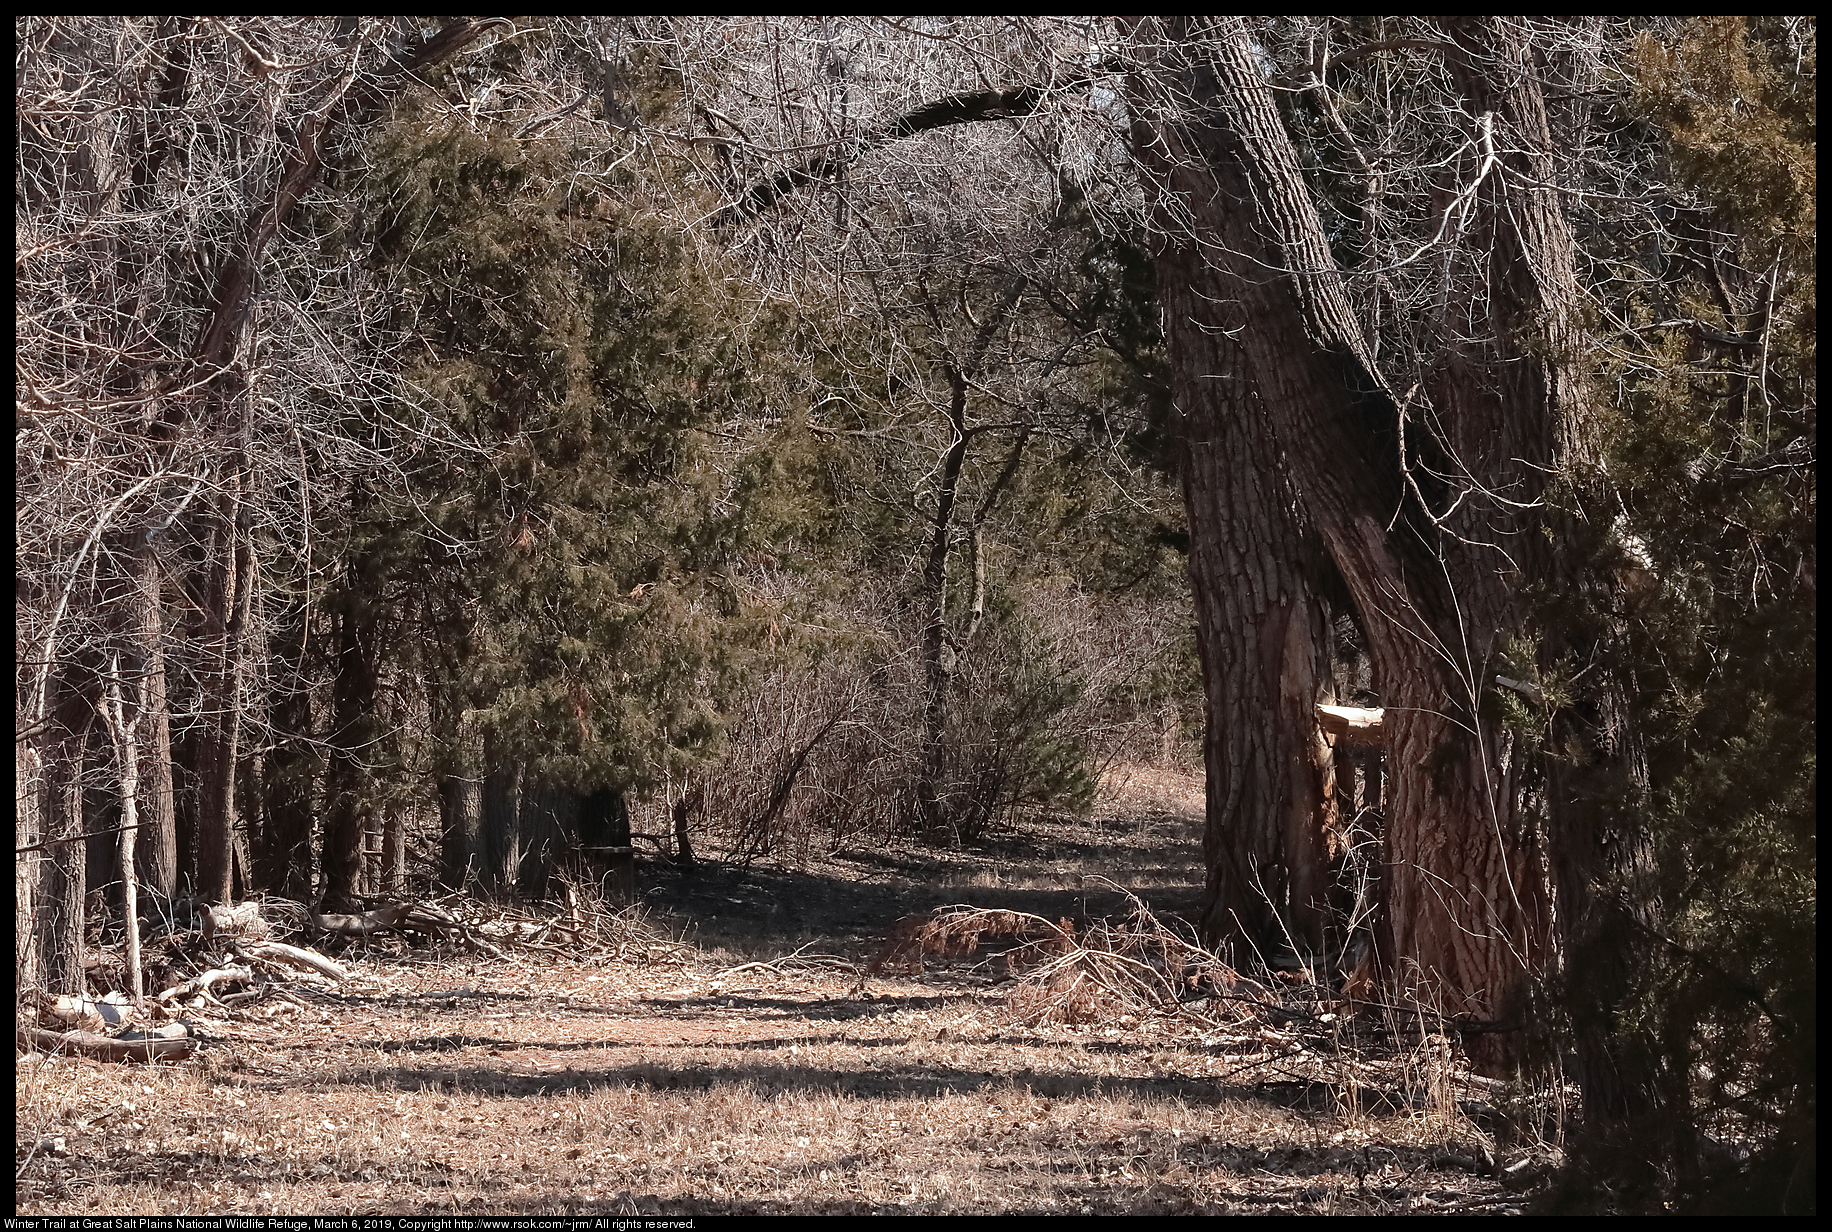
(1100, 970)
(1120, 972)
(582, 925)
(228, 961)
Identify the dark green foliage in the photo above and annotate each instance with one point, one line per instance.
(1707, 588)
(567, 543)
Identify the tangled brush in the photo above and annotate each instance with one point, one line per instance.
(1070, 971)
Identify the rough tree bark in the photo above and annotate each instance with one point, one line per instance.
(61, 893)
(501, 838)
(1514, 401)
(1463, 921)
(1263, 634)
(460, 828)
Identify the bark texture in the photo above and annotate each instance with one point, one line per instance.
(1264, 639)
(1464, 920)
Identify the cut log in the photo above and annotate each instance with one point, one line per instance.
(113, 1010)
(243, 919)
(1358, 726)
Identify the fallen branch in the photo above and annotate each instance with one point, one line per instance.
(366, 924)
(205, 982)
(293, 956)
(800, 960)
(135, 1046)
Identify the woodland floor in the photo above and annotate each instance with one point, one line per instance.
(706, 1083)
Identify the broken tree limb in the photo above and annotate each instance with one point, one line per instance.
(205, 982)
(366, 924)
(293, 956)
(1529, 691)
(138, 1046)
(1358, 726)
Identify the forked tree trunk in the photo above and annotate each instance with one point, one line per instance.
(1464, 915)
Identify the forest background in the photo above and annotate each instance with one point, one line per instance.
(437, 442)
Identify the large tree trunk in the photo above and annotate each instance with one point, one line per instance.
(460, 828)
(1263, 636)
(1463, 919)
(1514, 402)
(460, 794)
(502, 817)
(62, 886)
(283, 850)
(393, 876)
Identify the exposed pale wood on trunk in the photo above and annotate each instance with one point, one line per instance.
(1356, 725)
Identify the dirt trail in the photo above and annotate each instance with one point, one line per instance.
(727, 1084)
(1145, 835)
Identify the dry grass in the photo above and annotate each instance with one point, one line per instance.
(606, 1087)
